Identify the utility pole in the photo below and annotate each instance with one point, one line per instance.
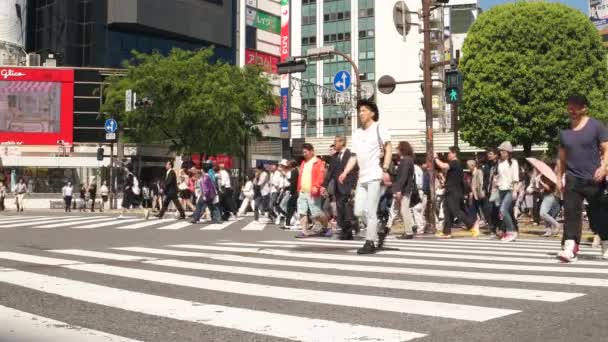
(428, 107)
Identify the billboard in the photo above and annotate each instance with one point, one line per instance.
(598, 13)
(36, 106)
(266, 61)
(285, 52)
(263, 20)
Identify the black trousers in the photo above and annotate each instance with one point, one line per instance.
(2, 203)
(166, 201)
(292, 205)
(576, 191)
(68, 203)
(261, 205)
(452, 208)
(345, 215)
(537, 199)
(227, 203)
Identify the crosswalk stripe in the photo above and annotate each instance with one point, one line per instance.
(490, 243)
(176, 226)
(220, 226)
(17, 218)
(101, 255)
(538, 258)
(418, 247)
(536, 242)
(146, 223)
(486, 291)
(254, 225)
(247, 320)
(392, 304)
(49, 220)
(454, 244)
(22, 219)
(379, 259)
(501, 277)
(75, 223)
(23, 326)
(110, 223)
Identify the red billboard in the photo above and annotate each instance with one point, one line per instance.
(36, 106)
(266, 61)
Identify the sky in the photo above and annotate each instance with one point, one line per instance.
(579, 4)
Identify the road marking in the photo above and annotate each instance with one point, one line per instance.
(486, 291)
(49, 220)
(177, 225)
(254, 225)
(110, 223)
(14, 218)
(145, 223)
(253, 321)
(23, 326)
(392, 304)
(75, 223)
(101, 255)
(563, 268)
(441, 273)
(215, 226)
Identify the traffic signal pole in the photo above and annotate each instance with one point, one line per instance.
(428, 108)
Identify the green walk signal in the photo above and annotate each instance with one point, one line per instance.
(453, 95)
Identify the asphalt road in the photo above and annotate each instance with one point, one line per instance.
(90, 277)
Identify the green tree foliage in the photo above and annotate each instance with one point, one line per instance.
(520, 63)
(196, 106)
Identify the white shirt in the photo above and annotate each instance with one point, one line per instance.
(276, 181)
(224, 179)
(264, 184)
(366, 146)
(248, 189)
(419, 176)
(104, 190)
(507, 174)
(67, 191)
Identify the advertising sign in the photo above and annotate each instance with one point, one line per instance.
(263, 20)
(598, 13)
(266, 61)
(285, 51)
(36, 105)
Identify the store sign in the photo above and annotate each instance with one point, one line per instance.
(263, 20)
(598, 13)
(6, 73)
(285, 52)
(266, 61)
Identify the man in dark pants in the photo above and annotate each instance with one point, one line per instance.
(583, 159)
(342, 191)
(491, 210)
(292, 203)
(454, 190)
(170, 192)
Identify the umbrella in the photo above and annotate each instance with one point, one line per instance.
(543, 168)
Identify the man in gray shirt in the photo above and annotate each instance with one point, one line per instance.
(583, 159)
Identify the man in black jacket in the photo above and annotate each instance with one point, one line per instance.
(342, 191)
(170, 192)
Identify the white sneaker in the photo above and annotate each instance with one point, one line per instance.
(548, 233)
(596, 241)
(509, 237)
(604, 245)
(146, 214)
(568, 254)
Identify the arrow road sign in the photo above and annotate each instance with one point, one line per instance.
(111, 126)
(342, 81)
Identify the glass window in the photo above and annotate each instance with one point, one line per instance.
(333, 37)
(347, 15)
(340, 36)
(326, 38)
(461, 20)
(305, 41)
(362, 34)
(347, 36)
(313, 40)
(326, 17)
(340, 16)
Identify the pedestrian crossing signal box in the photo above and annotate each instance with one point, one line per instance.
(453, 86)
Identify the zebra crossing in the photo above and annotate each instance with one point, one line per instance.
(128, 223)
(267, 289)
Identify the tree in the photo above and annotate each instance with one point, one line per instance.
(195, 106)
(520, 63)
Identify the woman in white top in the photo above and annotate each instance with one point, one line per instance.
(104, 191)
(507, 181)
(20, 191)
(247, 192)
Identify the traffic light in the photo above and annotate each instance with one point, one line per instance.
(100, 154)
(453, 86)
(291, 66)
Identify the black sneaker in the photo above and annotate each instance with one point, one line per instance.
(346, 236)
(368, 248)
(405, 237)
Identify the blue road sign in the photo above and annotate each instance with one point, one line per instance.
(111, 126)
(342, 81)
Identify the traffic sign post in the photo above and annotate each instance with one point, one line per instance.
(342, 81)
(111, 127)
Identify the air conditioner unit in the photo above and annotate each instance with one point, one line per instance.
(33, 59)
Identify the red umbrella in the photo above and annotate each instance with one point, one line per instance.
(543, 168)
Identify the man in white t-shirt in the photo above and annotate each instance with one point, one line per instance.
(372, 153)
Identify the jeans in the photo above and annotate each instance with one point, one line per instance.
(367, 196)
(506, 207)
(200, 209)
(577, 190)
(549, 209)
(261, 205)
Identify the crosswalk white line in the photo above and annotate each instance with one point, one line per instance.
(563, 268)
(526, 241)
(485, 291)
(6, 219)
(176, 226)
(215, 226)
(247, 320)
(254, 244)
(75, 223)
(145, 223)
(23, 326)
(254, 225)
(392, 304)
(21, 219)
(110, 223)
(442, 273)
(451, 253)
(49, 220)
